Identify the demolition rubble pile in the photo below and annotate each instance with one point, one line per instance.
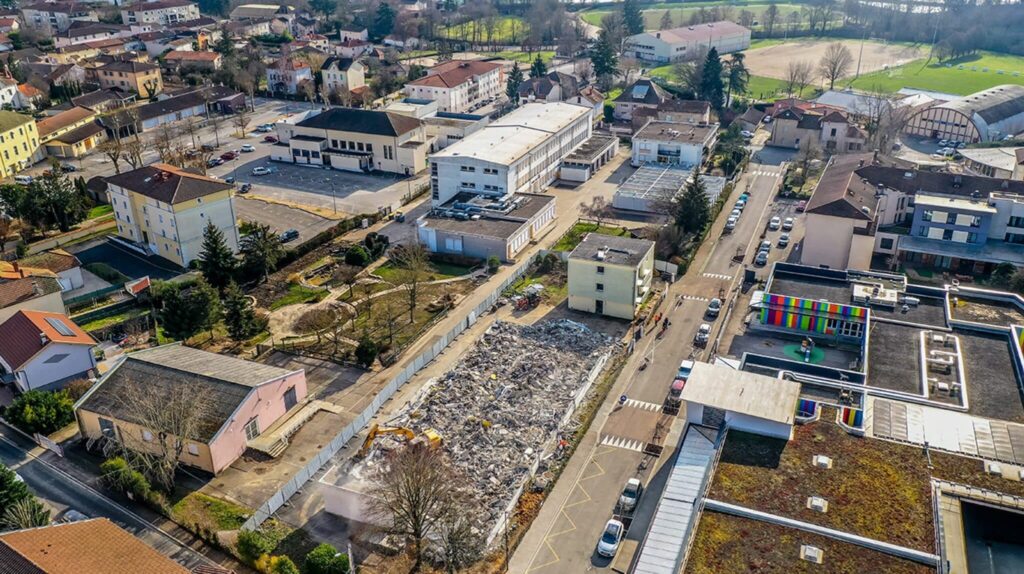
(501, 406)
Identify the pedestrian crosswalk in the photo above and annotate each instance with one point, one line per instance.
(643, 405)
(718, 276)
(626, 443)
(695, 298)
(763, 172)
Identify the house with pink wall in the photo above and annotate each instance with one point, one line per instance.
(238, 401)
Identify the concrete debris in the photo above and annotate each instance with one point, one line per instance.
(501, 409)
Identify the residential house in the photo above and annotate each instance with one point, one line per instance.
(317, 42)
(354, 140)
(206, 61)
(82, 32)
(142, 78)
(9, 24)
(830, 130)
(66, 266)
(352, 48)
(103, 100)
(679, 111)
(9, 95)
(163, 210)
(30, 97)
(401, 44)
(64, 122)
(56, 17)
(44, 351)
(349, 32)
(19, 143)
(160, 12)
(687, 42)
(673, 143)
(78, 142)
(303, 26)
(459, 85)
(248, 28)
(257, 11)
(610, 275)
(340, 74)
(88, 50)
(592, 97)
(240, 400)
(280, 25)
(73, 548)
(643, 93)
(551, 87)
(287, 75)
(21, 291)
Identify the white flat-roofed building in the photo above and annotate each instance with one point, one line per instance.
(998, 162)
(459, 85)
(745, 401)
(521, 152)
(686, 42)
(673, 143)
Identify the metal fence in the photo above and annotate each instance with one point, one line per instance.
(413, 366)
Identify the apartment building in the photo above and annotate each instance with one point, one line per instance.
(56, 17)
(610, 275)
(676, 143)
(642, 94)
(163, 210)
(459, 85)
(340, 74)
(161, 12)
(142, 78)
(687, 42)
(19, 143)
(288, 74)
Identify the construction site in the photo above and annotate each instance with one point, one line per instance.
(499, 414)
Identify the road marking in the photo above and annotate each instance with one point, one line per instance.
(719, 276)
(626, 443)
(695, 298)
(643, 405)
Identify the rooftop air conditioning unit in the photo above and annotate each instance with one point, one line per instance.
(817, 503)
(812, 553)
(822, 461)
(992, 467)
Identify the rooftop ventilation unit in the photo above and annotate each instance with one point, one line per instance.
(992, 467)
(817, 503)
(822, 461)
(812, 553)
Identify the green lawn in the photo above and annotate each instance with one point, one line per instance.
(299, 294)
(106, 272)
(961, 76)
(611, 95)
(393, 274)
(100, 211)
(572, 238)
(526, 57)
(202, 510)
(759, 87)
(132, 313)
(507, 30)
(681, 16)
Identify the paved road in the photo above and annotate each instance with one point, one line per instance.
(563, 538)
(61, 491)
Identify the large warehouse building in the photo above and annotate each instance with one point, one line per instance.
(987, 115)
(687, 42)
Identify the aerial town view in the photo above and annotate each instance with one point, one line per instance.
(526, 286)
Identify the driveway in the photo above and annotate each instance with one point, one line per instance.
(281, 217)
(125, 260)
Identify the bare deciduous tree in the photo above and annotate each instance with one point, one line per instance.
(133, 149)
(835, 63)
(798, 76)
(883, 117)
(598, 209)
(413, 262)
(459, 540)
(111, 147)
(167, 418)
(242, 121)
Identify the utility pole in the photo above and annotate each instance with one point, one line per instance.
(860, 56)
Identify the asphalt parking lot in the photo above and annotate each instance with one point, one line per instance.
(334, 190)
(125, 260)
(280, 217)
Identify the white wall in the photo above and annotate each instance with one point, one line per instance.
(645, 151)
(827, 241)
(39, 373)
(758, 426)
(191, 222)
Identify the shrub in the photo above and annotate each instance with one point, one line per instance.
(358, 256)
(119, 476)
(252, 544)
(366, 352)
(12, 490)
(324, 559)
(276, 565)
(493, 263)
(77, 388)
(41, 412)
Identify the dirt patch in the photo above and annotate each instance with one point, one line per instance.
(773, 61)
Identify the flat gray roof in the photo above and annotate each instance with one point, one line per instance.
(742, 392)
(488, 225)
(612, 249)
(675, 132)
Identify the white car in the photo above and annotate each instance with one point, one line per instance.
(747, 134)
(23, 179)
(608, 545)
(774, 224)
(261, 170)
(787, 224)
(630, 494)
(248, 148)
(735, 213)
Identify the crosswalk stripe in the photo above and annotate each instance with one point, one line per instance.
(695, 298)
(718, 276)
(644, 405)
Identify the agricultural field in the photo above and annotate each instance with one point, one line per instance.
(507, 30)
(961, 76)
(772, 61)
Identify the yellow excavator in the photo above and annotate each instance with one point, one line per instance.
(430, 437)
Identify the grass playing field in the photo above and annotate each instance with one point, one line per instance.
(507, 30)
(759, 87)
(681, 16)
(961, 76)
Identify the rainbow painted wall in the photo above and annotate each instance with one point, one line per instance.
(852, 417)
(806, 314)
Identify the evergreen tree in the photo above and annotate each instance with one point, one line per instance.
(633, 17)
(58, 198)
(603, 57)
(712, 88)
(538, 68)
(515, 79)
(216, 261)
(692, 210)
(261, 250)
(185, 313)
(666, 20)
(738, 76)
(239, 316)
(383, 21)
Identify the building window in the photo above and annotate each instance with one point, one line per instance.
(1016, 221)
(599, 287)
(1017, 238)
(947, 234)
(926, 215)
(886, 243)
(600, 269)
(252, 428)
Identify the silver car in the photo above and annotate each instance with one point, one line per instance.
(608, 545)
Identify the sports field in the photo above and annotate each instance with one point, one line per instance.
(773, 61)
(758, 87)
(961, 76)
(681, 16)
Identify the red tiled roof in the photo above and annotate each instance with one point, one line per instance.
(22, 340)
(454, 73)
(192, 56)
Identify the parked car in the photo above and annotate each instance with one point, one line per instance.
(23, 179)
(730, 224)
(248, 148)
(735, 213)
(260, 170)
(774, 224)
(229, 179)
(270, 139)
(290, 235)
(714, 308)
(765, 246)
(68, 168)
(72, 515)
(761, 258)
(208, 147)
(703, 335)
(800, 207)
(631, 494)
(747, 134)
(740, 204)
(228, 156)
(685, 368)
(787, 224)
(943, 143)
(246, 188)
(784, 240)
(608, 545)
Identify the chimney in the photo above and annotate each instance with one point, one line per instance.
(657, 35)
(860, 163)
(43, 340)
(17, 269)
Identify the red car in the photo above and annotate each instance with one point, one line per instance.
(800, 207)
(228, 156)
(270, 139)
